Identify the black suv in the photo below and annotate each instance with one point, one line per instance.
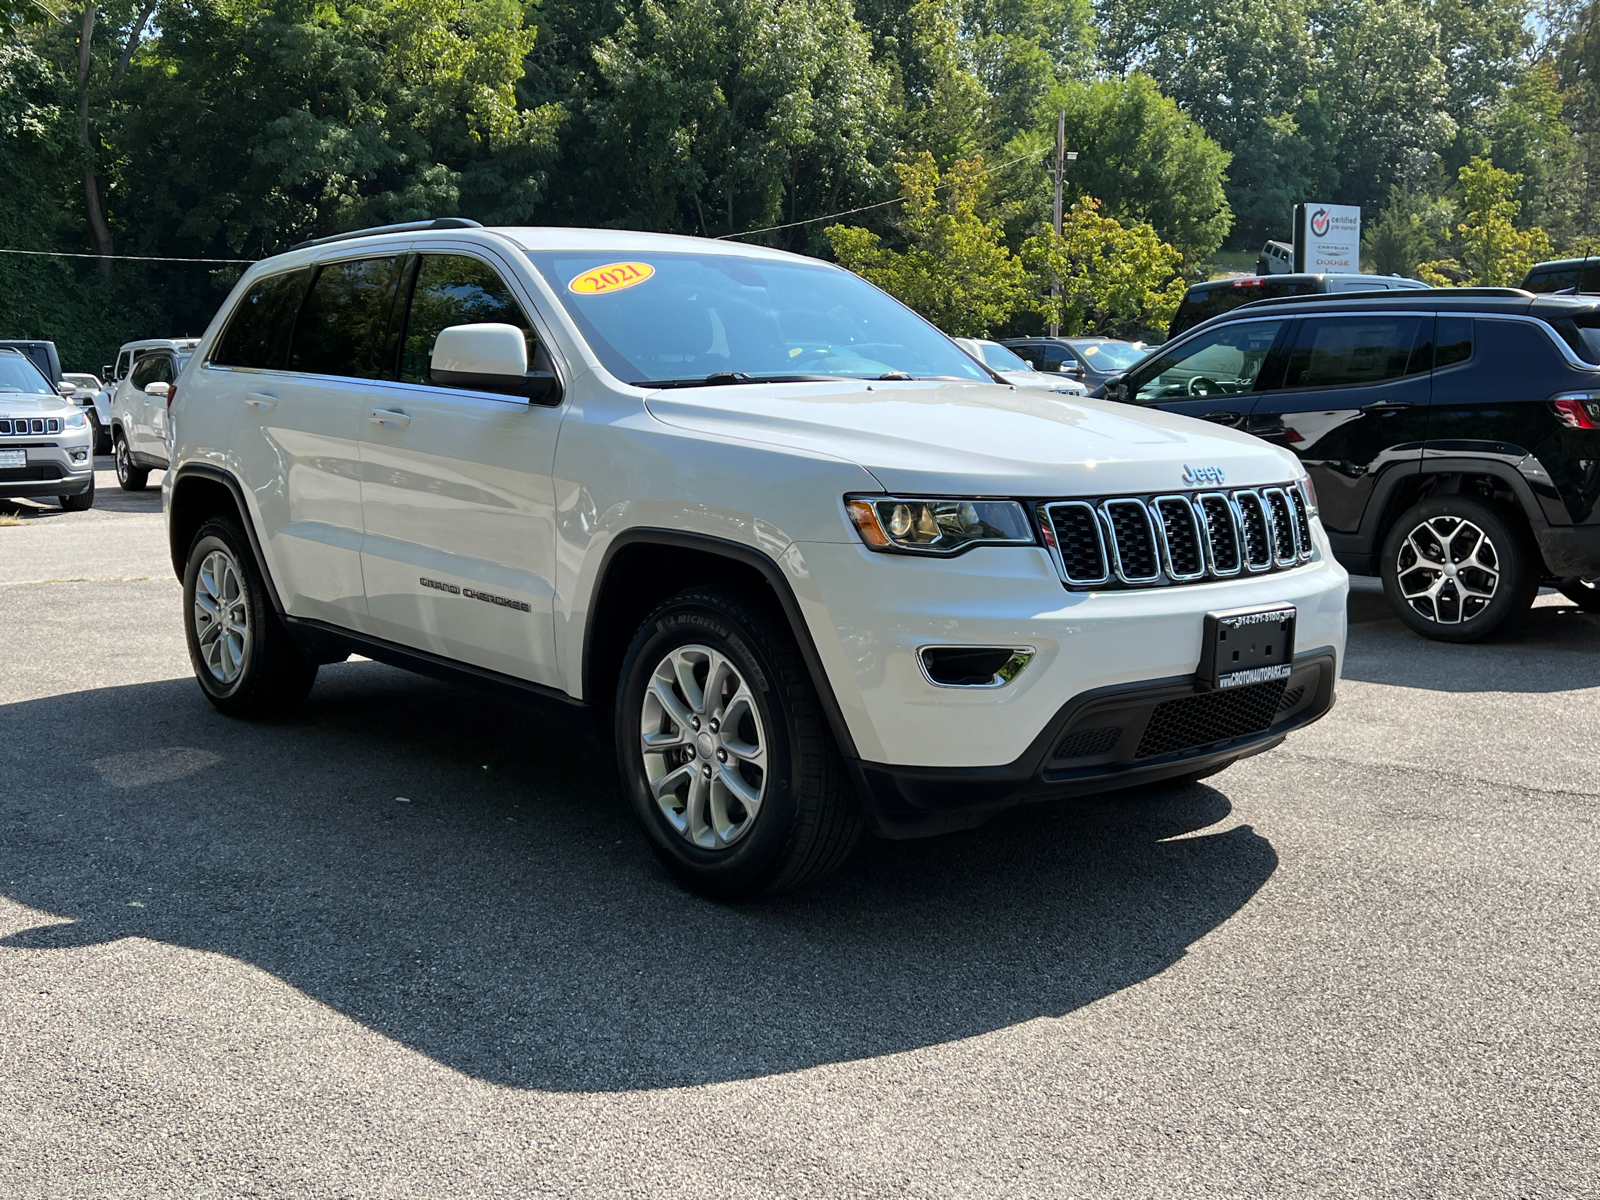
(1452, 436)
(1202, 301)
(1564, 275)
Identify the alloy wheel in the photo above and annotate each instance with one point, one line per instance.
(221, 617)
(1448, 570)
(124, 462)
(704, 747)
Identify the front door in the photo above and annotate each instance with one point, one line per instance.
(1352, 405)
(457, 496)
(145, 439)
(1216, 376)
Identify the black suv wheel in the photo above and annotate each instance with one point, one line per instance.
(246, 663)
(725, 753)
(1456, 569)
(131, 478)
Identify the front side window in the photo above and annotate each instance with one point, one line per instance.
(153, 368)
(1331, 352)
(685, 319)
(453, 289)
(18, 374)
(1000, 358)
(258, 332)
(344, 324)
(1223, 362)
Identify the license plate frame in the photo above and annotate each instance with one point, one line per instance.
(11, 459)
(1247, 645)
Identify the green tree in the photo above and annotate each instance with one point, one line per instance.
(1490, 249)
(1113, 279)
(956, 269)
(1407, 233)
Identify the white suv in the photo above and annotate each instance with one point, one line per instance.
(141, 396)
(809, 564)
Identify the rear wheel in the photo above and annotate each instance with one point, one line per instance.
(102, 440)
(131, 478)
(243, 657)
(1457, 569)
(1585, 593)
(724, 751)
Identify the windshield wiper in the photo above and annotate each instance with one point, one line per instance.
(725, 378)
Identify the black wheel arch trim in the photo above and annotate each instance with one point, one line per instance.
(218, 475)
(781, 588)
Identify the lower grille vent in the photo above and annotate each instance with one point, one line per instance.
(1085, 743)
(1291, 698)
(1191, 722)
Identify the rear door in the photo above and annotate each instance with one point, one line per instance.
(457, 494)
(1353, 404)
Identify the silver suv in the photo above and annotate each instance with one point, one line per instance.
(141, 398)
(45, 439)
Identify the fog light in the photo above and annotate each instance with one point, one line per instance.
(79, 455)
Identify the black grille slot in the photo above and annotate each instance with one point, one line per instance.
(1257, 542)
(1186, 558)
(1077, 531)
(1135, 540)
(1282, 525)
(1085, 743)
(1221, 535)
(34, 473)
(1191, 722)
(1302, 521)
(1291, 698)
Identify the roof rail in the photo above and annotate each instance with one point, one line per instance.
(1441, 293)
(402, 227)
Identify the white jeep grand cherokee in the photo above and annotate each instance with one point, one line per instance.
(809, 564)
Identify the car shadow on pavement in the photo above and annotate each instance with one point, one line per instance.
(1553, 647)
(458, 874)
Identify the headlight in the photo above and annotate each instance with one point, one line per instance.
(74, 421)
(1311, 494)
(938, 526)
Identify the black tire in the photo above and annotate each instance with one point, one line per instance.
(1456, 616)
(102, 438)
(1585, 593)
(809, 817)
(82, 502)
(130, 478)
(272, 676)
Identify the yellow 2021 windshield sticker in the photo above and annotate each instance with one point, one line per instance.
(612, 277)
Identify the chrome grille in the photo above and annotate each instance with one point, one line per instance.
(1150, 541)
(20, 425)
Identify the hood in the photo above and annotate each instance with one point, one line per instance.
(979, 439)
(1059, 385)
(34, 404)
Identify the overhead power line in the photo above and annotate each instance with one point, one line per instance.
(127, 257)
(865, 207)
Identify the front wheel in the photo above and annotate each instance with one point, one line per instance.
(130, 478)
(82, 502)
(1457, 569)
(243, 657)
(725, 753)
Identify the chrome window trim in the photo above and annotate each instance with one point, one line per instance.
(1165, 546)
(1110, 531)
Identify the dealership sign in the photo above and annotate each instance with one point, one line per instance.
(1327, 237)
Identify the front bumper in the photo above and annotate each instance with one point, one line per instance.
(51, 469)
(1107, 739)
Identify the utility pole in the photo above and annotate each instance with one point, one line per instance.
(1063, 159)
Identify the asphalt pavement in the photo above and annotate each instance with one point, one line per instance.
(407, 943)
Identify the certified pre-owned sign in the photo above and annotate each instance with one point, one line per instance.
(1327, 238)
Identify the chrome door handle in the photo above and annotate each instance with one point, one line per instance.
(388, 418)
(1383, 406)
(262, 401)
(1222, 416)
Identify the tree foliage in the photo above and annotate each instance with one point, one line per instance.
(1490, 249)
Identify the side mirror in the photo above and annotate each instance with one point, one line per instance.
(67, 390)
(489, 357)
(1117, 388)
(158, 389)
(1076, 371)
(107, 371)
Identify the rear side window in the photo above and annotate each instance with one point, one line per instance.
(258, 331)
(452, 289)
(344, 324)
(1350, 351)
(1454, 341)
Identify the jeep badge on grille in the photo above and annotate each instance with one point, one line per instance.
(1196, 475)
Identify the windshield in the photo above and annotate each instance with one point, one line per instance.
(1108, 356)
(17, 374)
(1001, 359)
(677, 319)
